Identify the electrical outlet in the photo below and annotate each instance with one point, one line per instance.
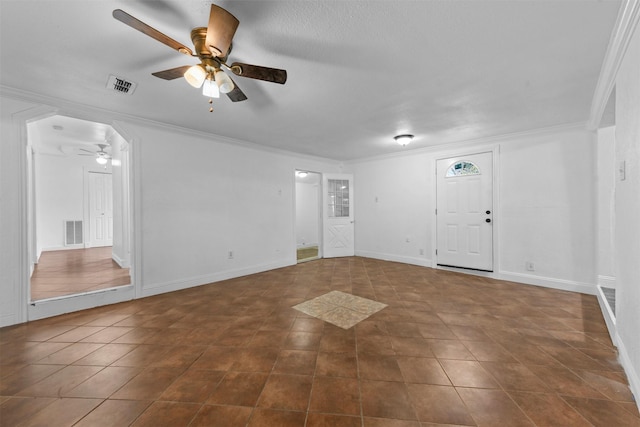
(230, 254)
(529, 265)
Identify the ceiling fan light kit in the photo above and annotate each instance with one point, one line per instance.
(101, 160)
(210, 89)
(101, 156)
(224, 82)
(212, 45)
(195, 75)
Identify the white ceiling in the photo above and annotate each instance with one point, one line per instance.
(64, 136)
(359, 72)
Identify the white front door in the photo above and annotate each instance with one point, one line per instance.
(464, 224)
(338, 229)
(100, 209)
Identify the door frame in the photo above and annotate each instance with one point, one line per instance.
(494, 149)
(325, 207)
(295, 214)
(34, 310)
(88, 242)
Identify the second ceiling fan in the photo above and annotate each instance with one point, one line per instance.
(212, 46)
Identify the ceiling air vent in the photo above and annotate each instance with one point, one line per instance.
(120, 85)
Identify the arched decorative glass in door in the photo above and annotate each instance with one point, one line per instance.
(462, 168)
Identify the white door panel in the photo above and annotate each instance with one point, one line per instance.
(464, 227)
(100, 209)
(338, 219)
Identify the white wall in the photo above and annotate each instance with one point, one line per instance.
(307, 214)
(59, 182)
(605, 207)
(627, 212)
(195, 198)
(547, 202)
(394, 204)
(546, 195)
(200, 198)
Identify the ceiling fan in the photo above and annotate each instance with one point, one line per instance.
(212, 45)
(102, 157)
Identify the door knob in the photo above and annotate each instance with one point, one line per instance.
(487, 220)
(488, 212)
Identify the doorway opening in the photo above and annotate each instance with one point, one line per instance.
(308, 215)
(79, 226)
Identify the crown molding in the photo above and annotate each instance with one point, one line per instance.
(626, 23)
(95, 114)
(486, 141)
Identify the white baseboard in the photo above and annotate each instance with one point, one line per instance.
(607, 281)
(62, 248)
(76, 302)
(9, 319)
(609, 316)
(161, 288)
(122, 263)
(632, 375)
(529, 279)
(549, 282)
(423, 262)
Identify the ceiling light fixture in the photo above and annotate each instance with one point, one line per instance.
(403, 139)
(301, 174)
(195, 75)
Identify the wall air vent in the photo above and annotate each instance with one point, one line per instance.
(73, 233)
(120, 85)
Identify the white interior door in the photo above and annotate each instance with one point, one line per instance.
(464, 224)
(338, 228)
(100, 209)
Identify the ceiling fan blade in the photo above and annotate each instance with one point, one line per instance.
(135, 23)
(173, 73)
(257, 72)
(88, 151)
(222, 26)
(236, 95)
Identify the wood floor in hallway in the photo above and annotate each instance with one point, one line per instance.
(67, 272)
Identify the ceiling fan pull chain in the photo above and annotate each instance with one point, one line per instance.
(210, 103)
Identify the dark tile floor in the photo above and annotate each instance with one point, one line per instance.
(450, 349)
